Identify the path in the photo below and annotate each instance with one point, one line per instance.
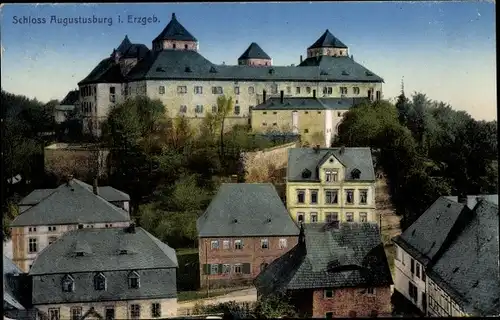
(246, 295)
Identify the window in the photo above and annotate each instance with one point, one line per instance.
(274, 88)
(306, 130)
(251, 90)
(328, 293)
(264, 243)
(314, 196)
(156, 307)
(52, 240)
(68, 284)
(314, 217)
(349, 196)
(226, 268)
(363, 196)
(300, 217)
(225, 244)
(135, 309)
(355, 90)
(76, 313)
(370, 290)
(32, 245)
(214, 244)
(343, 90)
(109, 313)
(363, 217)
(173, 46)
(198, 109)
(236, 109)
(161, 89)
(181, 89)
(32, 229)
(214, 109)
(236, 90)
(349, 217)
(52, 228)
(297, 90)
(112, 96)
(301, 194)
(331, 197)
(217, 90)
(378, 95)
(183, 109)
(288, 90)
(214, 269)
(99, 282)
(238, 244)
(327, 90)
(418, 271)
(308, 89)
(329, 315)
(282, 243)
(133, 280)
(331, 175)
(238, 268)
(412, 266)
(423, 275)
(54, 314)
(198, 90)
(413, 291)
(331, 216)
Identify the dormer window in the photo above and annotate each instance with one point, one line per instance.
(355, 174)
(133, 280)
(331, 175)
(306, 174)
(68, 283)
(99, 282)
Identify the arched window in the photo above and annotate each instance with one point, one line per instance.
(133, 280)
(99, 282)
(68, 283)
(263, 265)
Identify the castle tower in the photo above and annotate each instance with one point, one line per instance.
(255, 56)
(327, 45)
(175, 37)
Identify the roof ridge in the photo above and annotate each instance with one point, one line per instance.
(157, 242)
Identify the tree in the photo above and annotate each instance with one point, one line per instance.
(224, 108)
(274, 306)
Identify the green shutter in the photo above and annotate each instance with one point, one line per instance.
(246, 268)
(219, 269)
(206, 269)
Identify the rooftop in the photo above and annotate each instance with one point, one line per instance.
(299, 103)
(10, 288)
(175, 31)
(246, 210)
(71, 98)
(327, 40)
(254, 51)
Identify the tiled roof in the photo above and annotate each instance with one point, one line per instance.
(190, 65)
(344, 67)
(246, 210)
(301, 159)
(473, 199)
(36, 196)
(111, 194)
(71, 98)
(69, 205)
(351, 256)
(107, 71)
(298, 103)
(10, 290)
(154, 262)
(327, 40)
(124, 45)
(175, 31)
(254, 51)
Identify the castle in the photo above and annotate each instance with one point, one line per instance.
(188, 84)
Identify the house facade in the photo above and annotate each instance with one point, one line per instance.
(430, 274)
(245, 228)
(107, 274)
(174, 72)
(334, 271)
(47, 214)
(67, 105)
(315, 119)
(331, 185)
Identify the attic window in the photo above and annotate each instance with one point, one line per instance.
(323, 73)
(287, 104)
(268, 220)
(438, 216)
(160, 69)
(188, 69)
(79, 253)
(413, 232)
(68, 283)
(99, 282)
(345, 73)
(213, 70)
(455, 270)
(475, 284)
(368, 73)
(306, 174)
(448, 205)
(355, 173)
(133, 280)
(235, 220)
(271, 71)
(123, 251)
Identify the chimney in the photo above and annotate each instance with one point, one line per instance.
(95, 187)
(264, 96)
(131, 228)
(342, 150)
(282, 96)
(314, 93)
(300, 58)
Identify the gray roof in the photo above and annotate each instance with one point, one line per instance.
(10, 292)
(71, 204)
(297, 103)
(107, 71)
(425, 238)
(113, 195)
(124, 45)
(153, 261)
(70, 99)
(102, 248)
(327, 40)
(246, 210)
(301, 159)
(36, 196)
(254, 51)
(469, 268)
(175, 31)
(350, 256)
(473, 199)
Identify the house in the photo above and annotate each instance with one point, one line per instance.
(331, 185)
(175, 72)
(16, 292)
(67, 105)
(334, 271)
(46, 214)
(447, 261)
(245, 227)
(315, 119)
(114, 273)
(472, 200)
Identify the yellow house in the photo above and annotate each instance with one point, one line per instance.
(331, 185)
(315, 119)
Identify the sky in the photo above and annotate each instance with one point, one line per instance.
(443, 49)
